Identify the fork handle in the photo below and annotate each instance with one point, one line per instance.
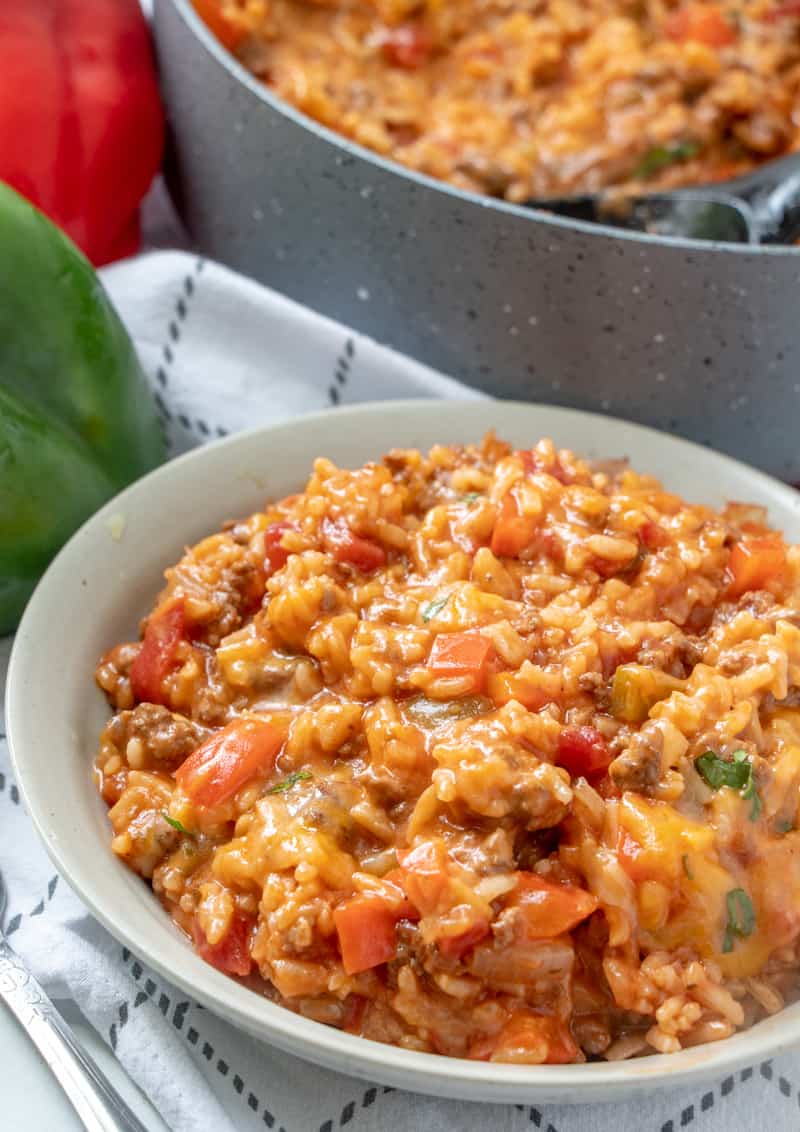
(94, 1098)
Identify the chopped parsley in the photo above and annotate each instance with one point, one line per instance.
(687, 868)
(662, 156)
(737, 773)
(175, 823)
(722, 772)
(785, 825)
(290, 781)
(471, 497)
(430, 611)
(741, 918)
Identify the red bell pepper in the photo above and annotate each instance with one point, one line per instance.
(513, 532)
(462, 654)
(754, 563)
(348, 547)
(230, 758)
(81, 125)
(367, 929)
(547, 910)
(232, 953)
(702, 24)
(275, 554)
(156, 658)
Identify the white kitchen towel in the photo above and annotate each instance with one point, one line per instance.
(223, 353)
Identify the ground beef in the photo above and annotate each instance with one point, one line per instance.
(153, 738)
(638, 766)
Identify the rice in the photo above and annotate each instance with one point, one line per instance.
(524, 99)
(485, 752)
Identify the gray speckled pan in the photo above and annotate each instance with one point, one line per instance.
(698, 339)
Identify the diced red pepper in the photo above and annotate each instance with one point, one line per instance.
(583, 751)
(229, 759)
(232, 953)
(701, 23)
(462, 654)
(755, 562)
(534, 1038)
(547, 910)
(275, 555)
(367, 930)
(424, 875)
(348, 547)
(81, 125)
(456, 946)
(408, 46)
(393, 884)
(156, 658)
(513, 532)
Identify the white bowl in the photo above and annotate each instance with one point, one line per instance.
(105, 579)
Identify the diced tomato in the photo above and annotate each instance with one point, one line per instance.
(348, 547)
(456, 946)
(536, 1039)
(424, 875)
(275, 555)
(232, 953)
(513, 531)
(462, 654)
(156, 658)
(506, 686)
(755, 562)
(547, 910)
(701, 23)
(229, 759)
(583, 751)
(408, 45)
(652, 536)
(367, 930)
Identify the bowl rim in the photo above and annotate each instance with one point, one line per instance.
(228, 61)
(314, 1041)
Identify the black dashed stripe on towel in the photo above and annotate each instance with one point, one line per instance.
(367, 1099)
(341, 371)
(176, 328)
(151, 993)
(707, 1101)
(15, 921)
(9, 787)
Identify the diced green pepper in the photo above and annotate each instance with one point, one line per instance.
(635, 689)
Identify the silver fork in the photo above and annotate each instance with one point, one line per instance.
(94, 1098)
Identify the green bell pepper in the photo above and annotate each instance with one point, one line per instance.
(77, 420)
